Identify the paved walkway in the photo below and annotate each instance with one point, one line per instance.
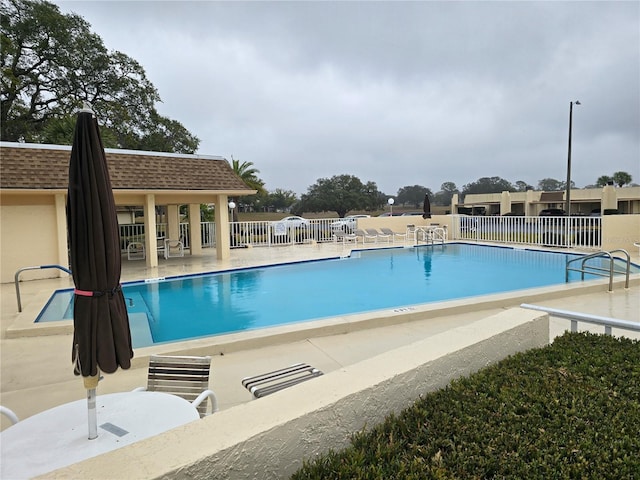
(36, 372)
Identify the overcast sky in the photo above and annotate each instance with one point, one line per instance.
(398, 93)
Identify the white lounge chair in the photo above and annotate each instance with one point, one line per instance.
(344, 237)
(379, 235)
(394, 235)
(186, 377)
(366, 236)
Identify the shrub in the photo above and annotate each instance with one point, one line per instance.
(569, 410)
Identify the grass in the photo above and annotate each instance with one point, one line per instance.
(569, 410)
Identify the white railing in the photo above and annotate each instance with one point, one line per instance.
(574, 232)
(267, 234)
(576, 317)
(257, 234)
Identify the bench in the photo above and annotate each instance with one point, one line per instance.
(271, 382)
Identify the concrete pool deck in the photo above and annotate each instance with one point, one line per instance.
(36, 372)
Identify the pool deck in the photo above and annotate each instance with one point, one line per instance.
(36, 372)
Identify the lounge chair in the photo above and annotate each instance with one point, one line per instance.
(186, 377)
(366, 236)
(271, 382)
(344, 237)
(380, 235)
(394, 235)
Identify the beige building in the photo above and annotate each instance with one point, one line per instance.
(583, 202)
(33, 192)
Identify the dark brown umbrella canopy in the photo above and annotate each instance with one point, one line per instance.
(426, 207)
(101, 338)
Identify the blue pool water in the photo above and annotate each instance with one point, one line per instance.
(210, 304)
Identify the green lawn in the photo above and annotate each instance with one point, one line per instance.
(570, 410)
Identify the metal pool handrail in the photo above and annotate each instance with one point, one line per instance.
(598, 270)
(17, 281)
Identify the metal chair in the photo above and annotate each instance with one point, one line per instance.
(186, 377)
(7, 412)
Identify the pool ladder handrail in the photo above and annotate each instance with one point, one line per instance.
(603, 272)
(430, 234)
(17, 280)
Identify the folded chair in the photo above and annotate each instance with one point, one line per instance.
(186, 377)
(271, 382)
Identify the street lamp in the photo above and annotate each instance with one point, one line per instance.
(391, 202)
(567, 206)
(232, 205)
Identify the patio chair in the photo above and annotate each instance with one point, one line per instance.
(173, 248)
(7, 412)
(366, 236)
(136, 251)
(394, 235)
(380, 235)
(271, 382)
(344, 237)
(186, 377)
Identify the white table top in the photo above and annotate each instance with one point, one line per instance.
(59, 437)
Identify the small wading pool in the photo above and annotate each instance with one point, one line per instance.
(188, 307)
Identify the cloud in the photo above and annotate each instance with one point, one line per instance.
(399, 93)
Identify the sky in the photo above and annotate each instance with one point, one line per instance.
(397, 93)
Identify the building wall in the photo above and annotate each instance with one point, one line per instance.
(620, 231)
(28, 237)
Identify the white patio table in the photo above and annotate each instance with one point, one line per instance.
(59, 436)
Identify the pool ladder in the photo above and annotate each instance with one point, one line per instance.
(17, 278)
(603, 272)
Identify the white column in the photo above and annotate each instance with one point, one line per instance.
(223, 245)
(151, 245)
(505, 203)
(195, 246)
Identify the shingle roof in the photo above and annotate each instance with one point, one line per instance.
(31, 166)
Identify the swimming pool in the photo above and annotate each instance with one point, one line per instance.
(194, 306)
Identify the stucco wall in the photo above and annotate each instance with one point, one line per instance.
(620, 231)
(28, 237)
(270, 437)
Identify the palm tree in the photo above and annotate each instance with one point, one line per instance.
(249, 175)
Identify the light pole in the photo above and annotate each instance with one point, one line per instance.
(567, 206)
(391, 202)
(232, 205)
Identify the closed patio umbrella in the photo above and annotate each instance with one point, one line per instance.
(101, 335)
(426, 207)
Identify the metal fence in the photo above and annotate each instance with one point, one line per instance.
(257, 234)
(573, 232)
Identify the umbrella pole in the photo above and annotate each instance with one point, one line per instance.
(91, 408)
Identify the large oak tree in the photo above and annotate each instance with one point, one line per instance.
(53, 63)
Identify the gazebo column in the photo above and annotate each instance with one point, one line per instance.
(173, 222)
(195, 245)
(61, 231)
(221, 217)
(150, 241)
